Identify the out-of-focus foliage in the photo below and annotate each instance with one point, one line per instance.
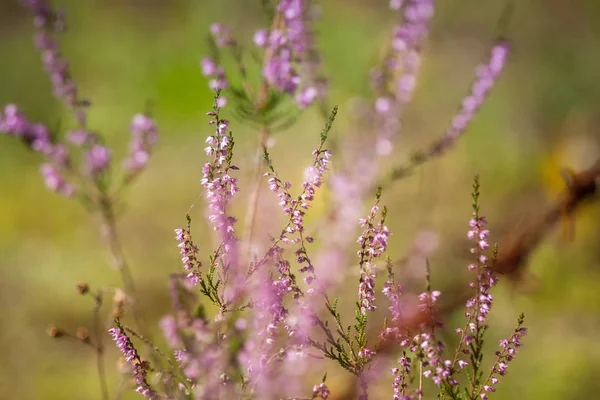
(133, 55)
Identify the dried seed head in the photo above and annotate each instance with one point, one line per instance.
(82, 288)
(82, 334)
(54, 332)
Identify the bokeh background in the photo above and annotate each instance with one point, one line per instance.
(125, 54)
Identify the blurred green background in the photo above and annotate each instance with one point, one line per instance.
(543, 115)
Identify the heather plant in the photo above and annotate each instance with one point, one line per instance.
(253, 315)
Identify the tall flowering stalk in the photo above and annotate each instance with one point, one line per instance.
(395, 81)
(220, 186)
(140, 367)
(373, 243)
(487, 75)
(144, 136)
(189, 253)
(38, 138)
(509, 348)
(49, 22)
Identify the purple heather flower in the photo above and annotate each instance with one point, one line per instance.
(295, 207)
(480, 305)
(97, 159)
(348, 189)
(14, 123)
(219, 185)
(291, 53)
(79, 137)
(401, 375)
(291, 59)
(55, 182)
(321, 390)
(49, 22)
(402, 64)
(393, 291)
(383, 105)
(260, 38)
(222, 35)
(270, 320)
(396, 4)
(37, 137)
(373, 242)
(188, 251)
(170, 331)
(144, 135)
(427, 347)
(131, 355)
(487, 74)
(305, 97)
(366, 353)
(218, 80)
(509, 348)
(209, 68)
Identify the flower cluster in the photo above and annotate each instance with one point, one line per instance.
(428, 348)
(406, 42)
(509, 350)
(395, 82)
(285, 45)
(401, 374)
(140, 367)
(321, 390)
(37, 137)
(222, 34)
(218, 81)
(202, 360)
(393, 291)
(220, 186)
(96, 157)
(269, 314)
(373, 243)
(374, 238)
(289, 49)
(296, 208)
(144, 136)
(290, 62)
(48, 22)
(481, 304)
(188, 252)
(487, 74)
(14, 123)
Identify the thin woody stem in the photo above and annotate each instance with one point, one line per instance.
(98, 331)
(109, 231)
(252, 208)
